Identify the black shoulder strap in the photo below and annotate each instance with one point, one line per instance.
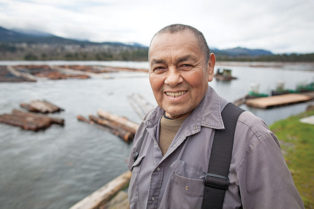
(216, 180)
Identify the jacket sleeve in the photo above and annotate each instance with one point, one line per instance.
(265, 181)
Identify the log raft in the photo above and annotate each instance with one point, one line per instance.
(116, 130)
(42, 106)
(122, 122)
(29, 121)
(275, 101)
(140, 104)
(117, 125)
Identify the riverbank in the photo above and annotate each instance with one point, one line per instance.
(297, 144)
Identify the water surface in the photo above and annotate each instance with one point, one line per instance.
(57, 167)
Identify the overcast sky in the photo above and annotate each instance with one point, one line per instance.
(276, 25)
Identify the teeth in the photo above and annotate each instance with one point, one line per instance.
(175, 94)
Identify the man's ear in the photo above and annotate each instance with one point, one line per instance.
(211, 66)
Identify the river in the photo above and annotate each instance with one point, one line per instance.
(57, 167)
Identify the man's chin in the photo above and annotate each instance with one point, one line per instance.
(176, 114)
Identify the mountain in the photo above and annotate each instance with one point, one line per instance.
(32, 37)
(36, 45)
(240, 51)
(11, 36)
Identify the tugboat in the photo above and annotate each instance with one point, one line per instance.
(280, 89)
(254, 92)
(224, 75)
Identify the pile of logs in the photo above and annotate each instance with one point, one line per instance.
(140, 105)
(56, 75)
(87, 68)
(29, 121)
(32, 121)
(9, 75)
(101, 69)
(42, 106)
(120, 126)
(22, 73)
(46, 71)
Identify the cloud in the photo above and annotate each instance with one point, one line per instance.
(280, 26)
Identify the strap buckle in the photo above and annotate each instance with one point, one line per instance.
(216, 181)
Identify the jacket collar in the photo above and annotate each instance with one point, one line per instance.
(207, 113)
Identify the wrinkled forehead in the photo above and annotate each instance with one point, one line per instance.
(176, 39)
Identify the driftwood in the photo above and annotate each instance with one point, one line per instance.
(83, 119)
(41, 106)
(29, 121)
(118, 121)
(104, 194)
(116, 130)
(140, 105)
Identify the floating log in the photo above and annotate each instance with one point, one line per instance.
(140, 105)
(119, 201)
(29, 121)
(55, 75)
(104, 194)
(274, 101)
(42, 106)
(45, 71)
(83, 119)
(122, 122)
(8, 74)
(116, 130)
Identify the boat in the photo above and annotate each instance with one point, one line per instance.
(224, 75)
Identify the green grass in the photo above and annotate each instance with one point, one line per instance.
(297, 143)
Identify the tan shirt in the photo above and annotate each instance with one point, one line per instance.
(168, 129)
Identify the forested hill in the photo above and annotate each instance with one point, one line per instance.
(34, 45)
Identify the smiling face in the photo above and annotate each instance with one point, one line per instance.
(179, 72)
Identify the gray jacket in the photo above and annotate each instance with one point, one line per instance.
(259, 177)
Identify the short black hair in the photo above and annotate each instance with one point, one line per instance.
(175, 28)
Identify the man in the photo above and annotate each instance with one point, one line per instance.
(172, 146)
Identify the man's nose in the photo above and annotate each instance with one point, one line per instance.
(173, 77)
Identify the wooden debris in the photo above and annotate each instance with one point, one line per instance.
(274, 101)
(104, 194)
(87, 68)
(55, 75)
(45, 71)
(100, 69)
(116, 130)
(83, 119)
(29, 121)
(9, 75)
(42, 106)
(118, 121)
(140, 105)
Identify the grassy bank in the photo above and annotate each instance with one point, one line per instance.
(297, 143)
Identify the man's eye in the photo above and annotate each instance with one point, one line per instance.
(186, 66)
(159, 69)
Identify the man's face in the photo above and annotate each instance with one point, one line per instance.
(179, 73)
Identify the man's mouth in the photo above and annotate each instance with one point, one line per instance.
(175, 94)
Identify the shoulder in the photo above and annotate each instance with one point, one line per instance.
(252, 136)
(248, 122)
